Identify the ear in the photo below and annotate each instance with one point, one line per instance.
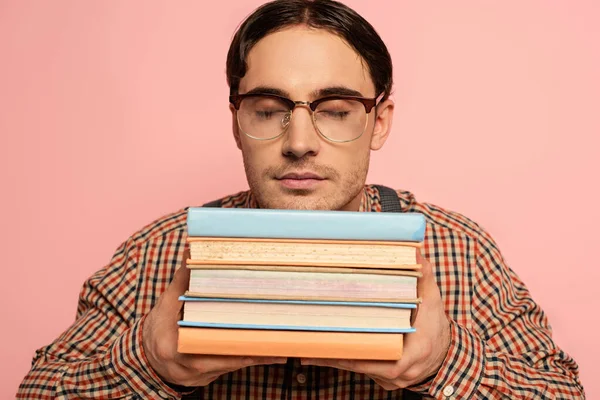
(383, 123)
(235, 127)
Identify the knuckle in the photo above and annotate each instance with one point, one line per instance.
(392, 373)
(164, 352)
(177, 374)
(172, 374)
(201, 368)
(411, 375)
(427, 349)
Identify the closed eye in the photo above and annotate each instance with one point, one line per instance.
(268, 114)
(335, 114)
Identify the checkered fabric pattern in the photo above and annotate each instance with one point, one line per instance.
(501, 340)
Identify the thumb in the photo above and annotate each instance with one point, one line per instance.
(178, 286)
(424, 283)
(181, 279)
(428, 281)
(426, 269)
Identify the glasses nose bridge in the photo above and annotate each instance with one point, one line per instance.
(304, 104)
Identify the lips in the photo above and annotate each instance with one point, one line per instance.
(300, 180)
(301, 176)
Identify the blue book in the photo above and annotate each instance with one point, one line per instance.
(285, 301)
(304, 224)
(298, 315)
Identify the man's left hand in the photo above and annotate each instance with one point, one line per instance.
(424, 350)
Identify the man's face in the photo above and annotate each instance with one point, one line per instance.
(301, 169)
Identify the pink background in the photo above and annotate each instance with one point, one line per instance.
(115, 113)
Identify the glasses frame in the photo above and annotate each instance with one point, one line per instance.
(368, 103)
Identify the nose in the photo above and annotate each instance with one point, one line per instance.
(301, 138)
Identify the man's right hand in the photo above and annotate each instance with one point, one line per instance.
(159, 333)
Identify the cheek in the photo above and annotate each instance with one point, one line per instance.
(344, 161)
(259, 155)
(348, 160)
(356, 151)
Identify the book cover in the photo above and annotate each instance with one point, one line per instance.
(305, 224)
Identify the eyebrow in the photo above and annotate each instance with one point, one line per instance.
(336, 90)
(316, 94)
(268, 90)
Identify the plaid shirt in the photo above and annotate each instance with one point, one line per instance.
(501, 341)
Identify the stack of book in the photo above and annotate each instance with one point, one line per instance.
(291, 283)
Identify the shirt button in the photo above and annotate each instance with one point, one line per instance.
(301, 378)
(448, 391)
(163, 394)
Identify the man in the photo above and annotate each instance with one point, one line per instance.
(310, 84)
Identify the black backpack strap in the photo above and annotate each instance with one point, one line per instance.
(214, 203)
(389, 199)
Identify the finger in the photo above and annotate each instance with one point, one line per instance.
(247, 363)
(384, 369)
(319, 362)
(210, 363)
(200, 370)
(358, 367)
(195, 378)
(386, 384)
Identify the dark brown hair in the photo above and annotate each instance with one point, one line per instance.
(330, 15)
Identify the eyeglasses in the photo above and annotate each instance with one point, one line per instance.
(337, 118)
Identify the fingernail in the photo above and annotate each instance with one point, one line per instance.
(248, 360)
(307, 361)
(279, 360)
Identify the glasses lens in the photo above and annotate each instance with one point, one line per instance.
(341, 119)
(263, 117)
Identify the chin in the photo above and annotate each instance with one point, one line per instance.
(302, 204)
(298, 201)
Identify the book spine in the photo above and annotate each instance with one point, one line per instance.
(194, 324)
(260, 296)
(305, 224)
(410, 270)
(338, 345)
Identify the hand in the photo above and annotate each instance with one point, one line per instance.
(424, 350)
(159, 339)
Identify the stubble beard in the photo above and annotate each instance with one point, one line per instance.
(341, 190)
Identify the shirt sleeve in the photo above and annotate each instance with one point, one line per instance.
(101, 354)
(508, 352)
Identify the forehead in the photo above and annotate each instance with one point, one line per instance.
(301, 60)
